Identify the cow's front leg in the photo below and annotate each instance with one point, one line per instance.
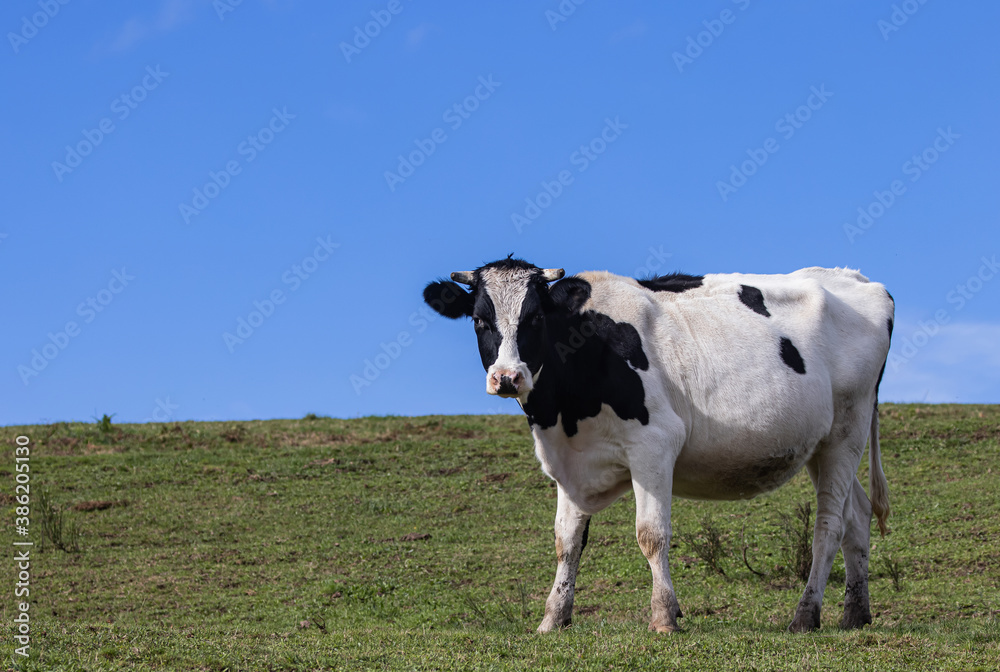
(571, 536)
(652, 531)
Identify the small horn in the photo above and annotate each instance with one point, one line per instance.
(552, 274)
(463, 277)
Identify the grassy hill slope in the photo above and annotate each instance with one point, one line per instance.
(426, 543)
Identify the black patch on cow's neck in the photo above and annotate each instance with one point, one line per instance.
(672, 282)
(590, 360)
(790, 356)
(753, 299)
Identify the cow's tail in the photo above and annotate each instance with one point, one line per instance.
(878, 486)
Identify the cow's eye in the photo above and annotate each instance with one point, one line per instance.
(479, 323)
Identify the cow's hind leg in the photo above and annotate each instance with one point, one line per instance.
(571, 536)
(833, 471)
(857, 537)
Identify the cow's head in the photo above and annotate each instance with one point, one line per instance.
(509, 302)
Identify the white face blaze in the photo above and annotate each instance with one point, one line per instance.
(507, 290)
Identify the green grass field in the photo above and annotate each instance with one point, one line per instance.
(426, 543)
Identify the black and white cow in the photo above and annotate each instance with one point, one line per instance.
(705, 387)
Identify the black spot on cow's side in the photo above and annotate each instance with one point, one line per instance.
(753, 299)
(790, 356)
(586, 534)
(673, 282)
(889, 325)
(591, 360)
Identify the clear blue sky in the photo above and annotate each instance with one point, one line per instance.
(737, 136)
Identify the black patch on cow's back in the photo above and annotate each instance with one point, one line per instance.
(591, 361)
(672, 282)
(753, 298)
(790, 356)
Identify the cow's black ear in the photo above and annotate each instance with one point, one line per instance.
(448, 299)
(570, 294)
